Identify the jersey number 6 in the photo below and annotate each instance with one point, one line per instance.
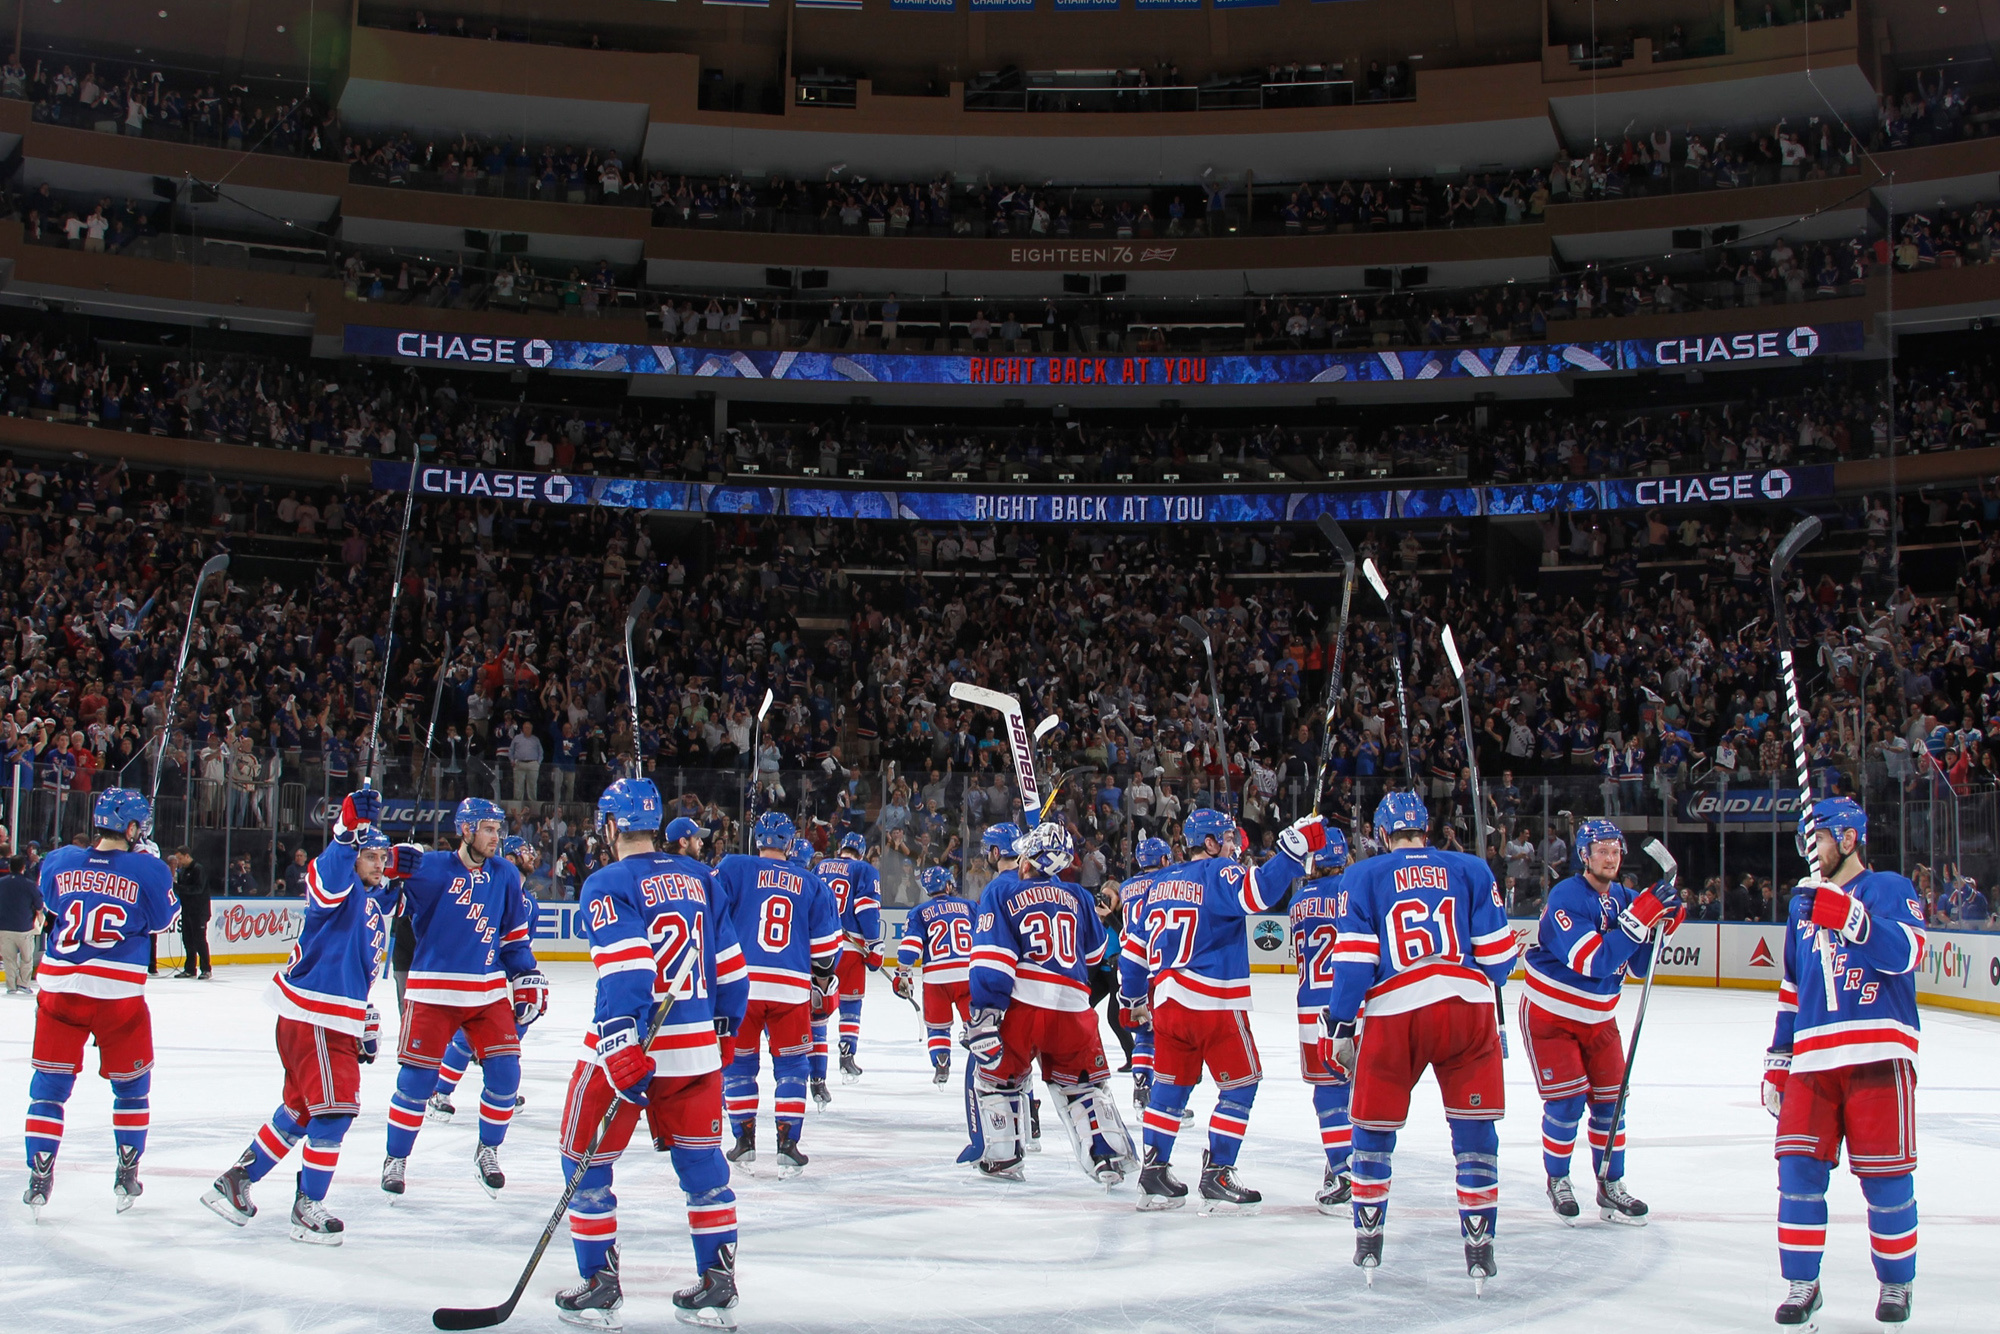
(98, 927)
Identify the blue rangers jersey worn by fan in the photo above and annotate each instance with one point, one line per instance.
(1197, 945)
(1868, 1011)
(1581, 956)
(857, 896)
(642, 914)
(1315, 936)
(339, 951)
(1133, 974)
(937, 935)
(784, 921)
(1034, 941)
(472, 930)
(106, 906)
(1419, 925)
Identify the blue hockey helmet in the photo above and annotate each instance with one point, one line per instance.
(1835, 815)
(1204, 823)
(1402, 813)
(372, 839)
(854, 842)
(1048, 845)
(1152, 852)
(634, 803)
(681, 827)
(1001, 838)
(799, 852)
(1334, 855)
(936, 880)
(513, 846)
(774, 829)
(1592, 832)
(475, 811)
(117, 809)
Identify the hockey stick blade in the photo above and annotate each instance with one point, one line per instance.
(1658, 852)
(1196, 630)
(988, 699)
(214, 565)
(765, 707)
(1374, 579)
(1805, 532)
(1046, 726)
(1331, 531)
(1451, 652)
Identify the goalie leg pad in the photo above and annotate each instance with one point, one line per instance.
(999, 1105)
(1096, 1130)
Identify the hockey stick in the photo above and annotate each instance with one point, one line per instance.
(1200, 631)
(430, 736)
(1658, 852)
(1478, 816)
(1374, 579)
(1056, 787)
(485, 1317)
(632, 682)
(395, 600)
(1346, 549)
(756, 749)
(1803, 534)
(214, 565)
(1019, 742)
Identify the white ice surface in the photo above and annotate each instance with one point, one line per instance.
(885, 1233)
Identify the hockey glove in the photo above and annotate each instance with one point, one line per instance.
(1337, 1046)
(1659, 901)
(1306, 836)
(1837, 910)
(874, 957)
(626, 1065)
(901, 984)
(359, 809)
(1777, 1073)
(371, 1036)
(825, 994)
(1135, 1013)
(531, 998)
(402, 861)
(982, 1039)
(725, 1037)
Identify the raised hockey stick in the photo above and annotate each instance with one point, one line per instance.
(1199, 631)
(395, 600)
(1338, 539)
(1658, 852)
(756, 747)
(1056, 787)
(1805, 532)
(430, 733)
(485, 1317)
(632, 681)
(1374, 579)
(1478, 815)
(1020, 743)
(213, 566)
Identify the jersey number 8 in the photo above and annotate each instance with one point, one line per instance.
(774, 926)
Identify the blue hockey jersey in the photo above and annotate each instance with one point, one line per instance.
(339, 952)
(471, 925)
(1843, 1003)
(857, 896)
(642, 915)
(1034, 941)
(106, 906)
(1133, 974)
(1418, 926)
(1581, 957)
(1197, 942)
(937, 935)
(1315, 936)
(785, 923)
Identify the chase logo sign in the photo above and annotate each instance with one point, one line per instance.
(1777, 483)
(1803, 341)
(1712, 488)
(538, 353)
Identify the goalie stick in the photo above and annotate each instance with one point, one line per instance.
(1346, 549)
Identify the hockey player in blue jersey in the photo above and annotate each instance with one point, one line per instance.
(1843, 1060)
(1034, 941)
(1594, 933)
(1425, 943)
(789, 931)
(525, 857)
(857, 893)
(801, 853)
(937, 937)
(327, 1029)
(1198, 999)
(1150, 854)
(657, 934)
(1315, 933)
(107, 901)
(472, 970)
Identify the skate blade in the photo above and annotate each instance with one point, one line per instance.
(123, 1200)
(1228, 1208)
(787, 1171)
(223, 1209)
(709, 1317)
(1034, 1146)
(1478, 1285)
(591, 1319)
(312, 1238)
(745, 1160)
(438, 1118)
(35, 1210)
(492, 1191)
(1622, 1219)
(1159, 1204)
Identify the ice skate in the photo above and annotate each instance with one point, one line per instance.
(711, 1303)
(940, 1070)
(311, 1223)
(1033, 1142)
(1007, 1169)
(486, 1162)
(1142, 1090)
(850, 1073)
(125, 1184)
(1892, 1308)
(745, 1151)
(1801, 1306)
(594, 1302)
(1615, 1204)
(1479, 1262)
(1159, 1189)
(439, 1108)
(822, 1097)
(1369, 1221)
(791, 1159)
(1562, 1198)
(1222, 1193)
(1335, 1190)
(393, 1170)
(229, 1197)
(41, 1181)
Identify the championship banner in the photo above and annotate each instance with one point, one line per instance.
(1130, 505)
(1136, 373)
